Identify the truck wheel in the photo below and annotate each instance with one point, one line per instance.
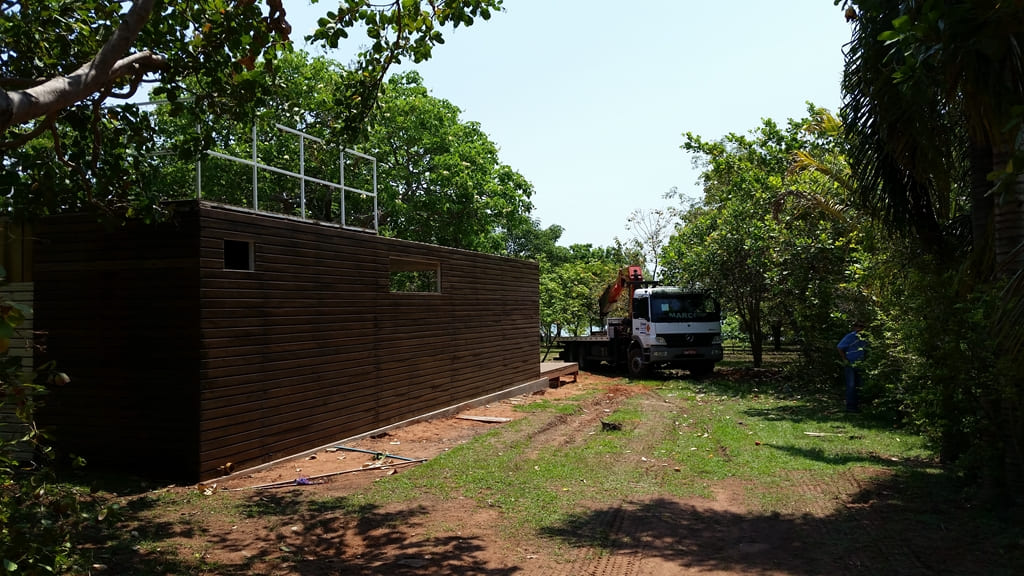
(635, 363)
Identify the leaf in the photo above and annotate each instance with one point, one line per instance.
(22, 311)
(10, 566)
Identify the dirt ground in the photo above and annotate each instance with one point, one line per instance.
(286, 534)
(421, 440)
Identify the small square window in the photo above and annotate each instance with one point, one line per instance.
(237, 255)
(414, 276)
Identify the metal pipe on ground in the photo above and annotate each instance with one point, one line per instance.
(305, 481)
(377, 454)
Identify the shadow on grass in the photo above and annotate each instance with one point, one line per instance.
(295, 535)
(910, 522)
(847, 458)
(797, 403)
(821, 410)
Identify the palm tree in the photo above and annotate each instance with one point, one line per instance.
(933, 92)
(933, 96)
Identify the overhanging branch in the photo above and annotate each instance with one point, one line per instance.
(110, 64)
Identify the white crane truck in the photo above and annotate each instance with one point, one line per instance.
(667, 327)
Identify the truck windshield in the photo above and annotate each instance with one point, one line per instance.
(684, 307)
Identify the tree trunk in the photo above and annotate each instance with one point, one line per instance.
(1008, 236)
(755, 332)
(981, 202)
(777, 337)
(1008, 227)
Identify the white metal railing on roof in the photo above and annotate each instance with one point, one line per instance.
(340, 188)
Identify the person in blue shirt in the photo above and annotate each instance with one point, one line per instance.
(852, 349)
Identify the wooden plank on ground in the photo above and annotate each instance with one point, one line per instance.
(495, 419)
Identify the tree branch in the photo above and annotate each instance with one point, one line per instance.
(58, 150)
(97, 134)
(133, 87)
(21, 139)
(18, 107)
(20, 83)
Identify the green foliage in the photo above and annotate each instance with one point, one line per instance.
(571, 283)
(42, 522)
(531, 242)
(571, 278)
(940, 367)
(569, 295)
(396, 30)
(40, 517)
(437, 168)
(774, 237)
(210, 60)
(399, 29)
(82, 155)
(431, 166)
(726, 241)
(413, 281)
(932, 111)
(301, 94)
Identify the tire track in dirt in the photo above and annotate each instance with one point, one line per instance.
(886, 548)
(621, 556)
(881, 550)
(564, 430)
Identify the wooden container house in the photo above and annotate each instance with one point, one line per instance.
(225, 338)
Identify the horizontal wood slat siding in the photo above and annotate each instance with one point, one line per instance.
(179, 366)
(16, 250)
(311, 347)
(120, 312)
(11, 427)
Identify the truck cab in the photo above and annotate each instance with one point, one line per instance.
(666, 326)
(675, 328)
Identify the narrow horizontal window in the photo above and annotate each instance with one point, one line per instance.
(238, 255)
(419, 276)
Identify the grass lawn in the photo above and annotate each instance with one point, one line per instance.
(697, 471)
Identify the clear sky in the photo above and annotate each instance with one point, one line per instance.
(588, 99)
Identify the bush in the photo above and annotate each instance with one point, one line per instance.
(940, 367)
(41, 519)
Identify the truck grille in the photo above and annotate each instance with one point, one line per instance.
(687, 340)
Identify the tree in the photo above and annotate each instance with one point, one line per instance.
(650, 229)
(569, 294)
(432, 168)
(436, 168)
(823, 246)
(774, 238)
(571, 282)
(932, 106)
(532, 242)
(62, 149)
(60, 62)
(932, 93)
(725, 243)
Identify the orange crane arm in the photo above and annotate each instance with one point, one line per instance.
(630, 276)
